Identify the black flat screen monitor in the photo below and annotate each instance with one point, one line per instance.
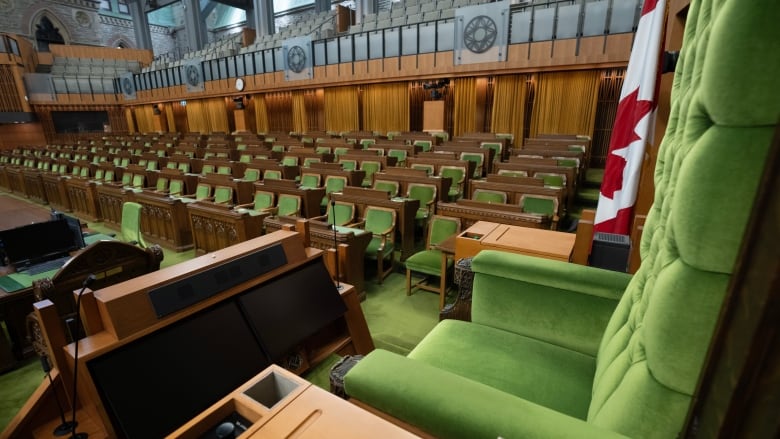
(290, 308)
(74, 224)
(37, 242)
(153, 385)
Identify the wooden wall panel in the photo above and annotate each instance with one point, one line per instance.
(21, 134)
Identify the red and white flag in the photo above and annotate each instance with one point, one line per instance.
(634, 124)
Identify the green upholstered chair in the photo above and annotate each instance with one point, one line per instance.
(272, 174)
(176, 188)
(555, 349)
(552, 179)
(427, 167)
(207, 169)
(511, 173)
(333, 183)
(251, 174)
(162, 184)
(223, 194)
(430, 261)
(479, 162)
(380, 221)
(245, 158)
(497, 147)
(348, 164)
(370, 167)
(489, 196)
(458, 175)
(425, 145)
(309, 180)
(288, 205)
(263, 204)
(389, 186)
(542, 205)
(322, 150)
(309, 160)
(183, 166)
(339, 151)
(365, 143)
(224, 170)
(131, 224)
(400, 156)
(290, 161)
(426, 194)
(344, 213)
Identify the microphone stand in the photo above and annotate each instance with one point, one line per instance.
(87, 282)
(335, 243)
(65, 427)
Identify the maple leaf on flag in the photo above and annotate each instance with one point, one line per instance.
(630, 113)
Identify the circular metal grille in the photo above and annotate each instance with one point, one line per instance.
(480, 34)
(296, 59)
(127, 86)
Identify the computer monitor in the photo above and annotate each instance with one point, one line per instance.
(37, 242)
(292, 307)
(74, 224)
(155, 384)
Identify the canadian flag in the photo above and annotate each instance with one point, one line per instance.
(633, 124)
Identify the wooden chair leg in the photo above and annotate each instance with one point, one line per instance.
(408, 282)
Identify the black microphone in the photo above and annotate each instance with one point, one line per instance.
(335, 242)
(87, 282)
(65, 427)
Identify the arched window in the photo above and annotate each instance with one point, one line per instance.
(46, 33)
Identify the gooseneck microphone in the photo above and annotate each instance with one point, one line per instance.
(65, 427)
(87, 282)
(335, 242)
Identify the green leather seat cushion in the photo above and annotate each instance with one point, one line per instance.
(551, 376)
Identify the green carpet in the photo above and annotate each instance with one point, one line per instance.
(17, 385)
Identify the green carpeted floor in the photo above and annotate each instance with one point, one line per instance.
(397, 322)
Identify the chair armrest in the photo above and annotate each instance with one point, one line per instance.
(244, 206)
(358, 224)
(558, 302)
(447, 405)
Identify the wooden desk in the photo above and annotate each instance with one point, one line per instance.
(405, 208)
(303, 411)
(484, 235)
(164, 220)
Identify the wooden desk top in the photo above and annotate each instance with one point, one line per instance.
(484, 235)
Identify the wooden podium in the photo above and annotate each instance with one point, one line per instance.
(126, 313)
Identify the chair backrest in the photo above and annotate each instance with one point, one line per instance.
(309, 180)
(552, 179)
(272, 174)
(223, 194)
(652, 353)
(477, 158)
(495, 146)
(370, 167)
(138, 181)
(289, 205)
(348, 164)
(290, 160)
(389, 186)
(399, 154)
(489, 196)
(264, 200)
(176, 188)
(131, 223)
(335, 183)
(426, 193)
(540, 204)
(428, 168)
(162, 183)
(441, 228)
(202, 191)
(207, 169)
(251, 174)
(511, 173)
(380, 220)
(345, 213)
(224, 170)
(424, 144)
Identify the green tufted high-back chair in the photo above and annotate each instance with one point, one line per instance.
(597, 353)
